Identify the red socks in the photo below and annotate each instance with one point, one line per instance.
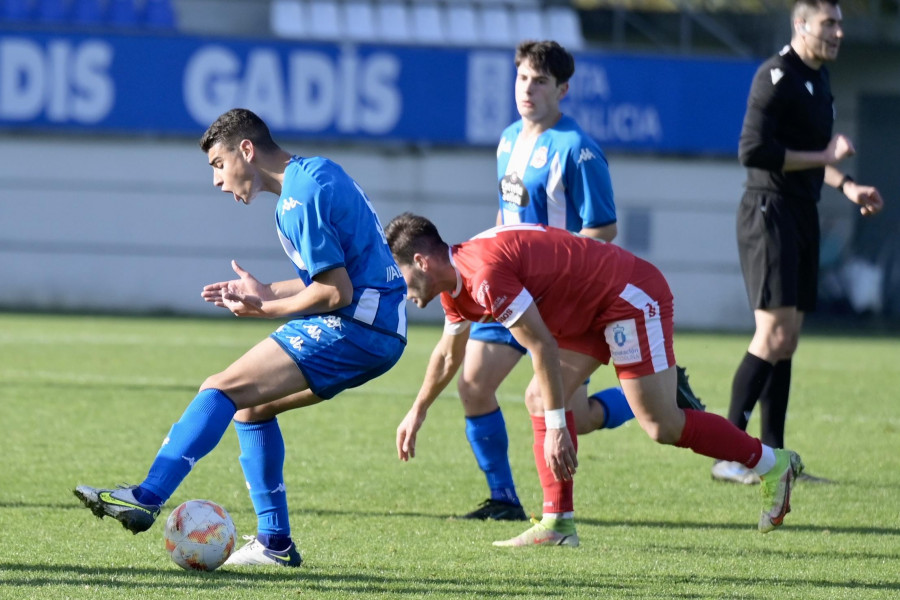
(714, 436)
(558, 496)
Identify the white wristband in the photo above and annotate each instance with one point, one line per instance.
(555, 419)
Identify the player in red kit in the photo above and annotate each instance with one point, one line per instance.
(574, 303)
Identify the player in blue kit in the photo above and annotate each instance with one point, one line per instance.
(348, 325)
(550, 172)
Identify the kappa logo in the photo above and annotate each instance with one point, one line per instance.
(332, 322)
(585, 155)
(313, 331)
(290, 203)
(776, 74)
(279, 489)
(190, 460)
(296, 342)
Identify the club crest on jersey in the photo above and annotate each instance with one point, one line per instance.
(539, 158)
(624, 345)
(481, 294)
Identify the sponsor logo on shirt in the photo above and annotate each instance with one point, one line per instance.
(624, 345)
(505, 316)
(513, 191)
(539, 158)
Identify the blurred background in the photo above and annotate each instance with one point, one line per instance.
(107, 203)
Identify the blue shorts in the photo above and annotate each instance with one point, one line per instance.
(494, 333)
(335, 354)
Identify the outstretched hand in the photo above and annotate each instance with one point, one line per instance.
(243, 296)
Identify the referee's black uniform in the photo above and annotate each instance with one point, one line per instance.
(790, 106)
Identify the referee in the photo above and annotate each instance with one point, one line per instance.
(788, 149)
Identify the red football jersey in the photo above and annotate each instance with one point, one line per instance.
(572, 279)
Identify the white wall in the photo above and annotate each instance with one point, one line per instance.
(136, 225)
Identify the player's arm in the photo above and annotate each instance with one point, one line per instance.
(329, 291)
(559, 450)
(589, 190)
(249, 285)
(443, 364)
(839, 148)
(607, 233)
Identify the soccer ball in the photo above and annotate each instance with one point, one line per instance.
(199, 535)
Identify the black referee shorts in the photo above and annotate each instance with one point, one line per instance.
(778, 244)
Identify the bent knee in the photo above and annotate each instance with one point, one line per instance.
(662, 433)
(476, 398)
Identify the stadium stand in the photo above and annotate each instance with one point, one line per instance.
(493, 23)
(91, 14)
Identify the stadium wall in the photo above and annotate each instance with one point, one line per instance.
(136, 225)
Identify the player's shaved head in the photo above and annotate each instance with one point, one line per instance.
(236, 125)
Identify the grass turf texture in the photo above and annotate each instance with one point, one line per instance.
(89, 399)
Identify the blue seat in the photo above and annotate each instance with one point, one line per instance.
(87, 12)
(52, 11)
(122, 13)
(158, 14)
(16, 10)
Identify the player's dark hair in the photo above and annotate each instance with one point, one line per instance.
(236, 125)
(803, 8)
(408, 234)
(547, 57)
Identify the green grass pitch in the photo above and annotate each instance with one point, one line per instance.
(87, 399)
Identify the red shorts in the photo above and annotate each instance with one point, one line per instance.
(636, 330)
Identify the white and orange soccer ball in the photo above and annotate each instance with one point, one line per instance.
(199, 535)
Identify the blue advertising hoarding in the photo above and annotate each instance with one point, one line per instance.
(60, 82)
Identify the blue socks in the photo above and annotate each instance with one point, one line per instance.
(262, 459)
(487, 436)
(194, 436)
(615, 405)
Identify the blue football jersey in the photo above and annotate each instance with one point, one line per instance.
(324, 221)
(561, 179)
